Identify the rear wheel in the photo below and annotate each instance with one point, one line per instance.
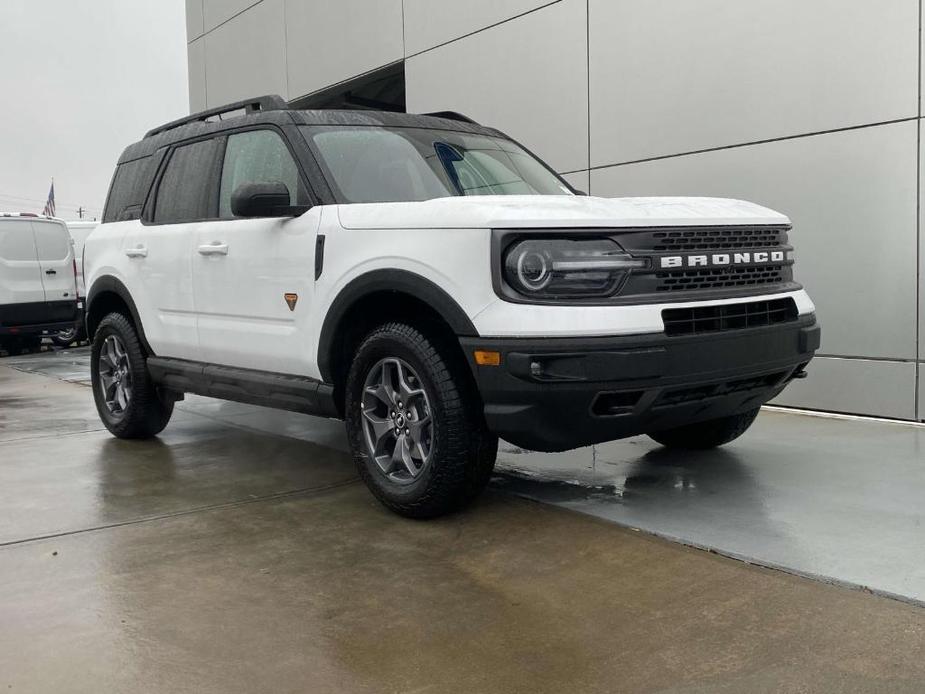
(708, 434)
(126, 399)
(415, 423)
(66, 338)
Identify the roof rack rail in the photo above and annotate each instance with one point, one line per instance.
(451, 115)
(270, 102)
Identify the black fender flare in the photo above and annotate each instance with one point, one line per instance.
(387, 280)
(108, 284)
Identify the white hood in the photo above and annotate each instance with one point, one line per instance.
(551, 211)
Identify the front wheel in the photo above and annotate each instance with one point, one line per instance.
(126, 399)
(415, 424)
(708, 434)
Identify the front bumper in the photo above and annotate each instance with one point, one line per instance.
(562, 393)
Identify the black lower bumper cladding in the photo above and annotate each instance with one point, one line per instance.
(38, 318)
(560, 393)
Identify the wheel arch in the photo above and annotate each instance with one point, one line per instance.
(109, 294)
(393, 295)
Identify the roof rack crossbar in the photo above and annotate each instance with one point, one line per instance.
(451, 115)
(270, 102)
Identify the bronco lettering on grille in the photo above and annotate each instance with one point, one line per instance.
(721, 259)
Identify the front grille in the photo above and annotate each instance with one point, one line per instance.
(709, 319)
(717, 260)
(717, 239)
(718, 278)
(682, 396)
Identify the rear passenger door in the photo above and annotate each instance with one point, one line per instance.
(56, 262)
(243, 269)
(20, 279)
(159, 249)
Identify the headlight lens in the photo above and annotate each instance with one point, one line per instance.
(564, 268)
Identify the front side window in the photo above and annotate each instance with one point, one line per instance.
(186, 190)
(258, 156)
(376, 164)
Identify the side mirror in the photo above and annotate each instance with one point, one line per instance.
(264, 200)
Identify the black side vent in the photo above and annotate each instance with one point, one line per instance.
(710, 319)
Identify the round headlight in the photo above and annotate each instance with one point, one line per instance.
(533, 269)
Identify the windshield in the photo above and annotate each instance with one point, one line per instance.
(376, 164)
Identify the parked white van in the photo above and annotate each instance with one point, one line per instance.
(38, 281)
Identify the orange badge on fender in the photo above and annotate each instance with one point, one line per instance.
(291, 299)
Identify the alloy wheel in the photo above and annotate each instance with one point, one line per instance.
(397, 420)
(115, 375)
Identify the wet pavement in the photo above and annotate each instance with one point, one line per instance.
(237, 552)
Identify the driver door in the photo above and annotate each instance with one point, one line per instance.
(247, 271)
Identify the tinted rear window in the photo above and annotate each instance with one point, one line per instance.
(128, 190)
(16, 240)
(187, 190)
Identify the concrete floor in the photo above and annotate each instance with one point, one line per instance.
(238, 553)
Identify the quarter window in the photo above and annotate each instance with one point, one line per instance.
(258, 156)
(186, 190)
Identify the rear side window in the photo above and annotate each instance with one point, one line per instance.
(16, 241)
(258, 156)
(128, 190)
(51, 241)
(187, 191)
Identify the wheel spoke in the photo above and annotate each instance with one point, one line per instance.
(381, 428)
(121, 399)
(417, 427)
(118, 351)
(107, 382)
(405, 389)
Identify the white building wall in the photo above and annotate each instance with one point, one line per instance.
(808, 106)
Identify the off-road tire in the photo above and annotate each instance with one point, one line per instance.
(147, 413)
(708, 434)
(464, 451)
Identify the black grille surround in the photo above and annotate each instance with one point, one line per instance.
(725, 266)
(698, 320)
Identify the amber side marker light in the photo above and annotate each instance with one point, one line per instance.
(487, 357)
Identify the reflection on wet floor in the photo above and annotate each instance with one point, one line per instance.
(823, 497)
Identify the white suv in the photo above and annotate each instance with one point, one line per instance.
(434, 284)
(38, 281)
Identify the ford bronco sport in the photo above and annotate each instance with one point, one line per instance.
(434, 284)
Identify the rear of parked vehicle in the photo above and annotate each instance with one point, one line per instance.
(38, 283)
(433, 283)
(79, 230)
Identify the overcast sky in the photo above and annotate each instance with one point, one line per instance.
(79, 81)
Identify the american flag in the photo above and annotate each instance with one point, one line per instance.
(49, 210)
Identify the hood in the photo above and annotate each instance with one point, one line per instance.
(553, 211)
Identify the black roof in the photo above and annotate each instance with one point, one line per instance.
(274, 110)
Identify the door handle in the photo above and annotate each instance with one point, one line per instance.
(214, 248)
(137, 252)
(51, 272)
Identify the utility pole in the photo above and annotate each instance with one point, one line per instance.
(80, 212)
